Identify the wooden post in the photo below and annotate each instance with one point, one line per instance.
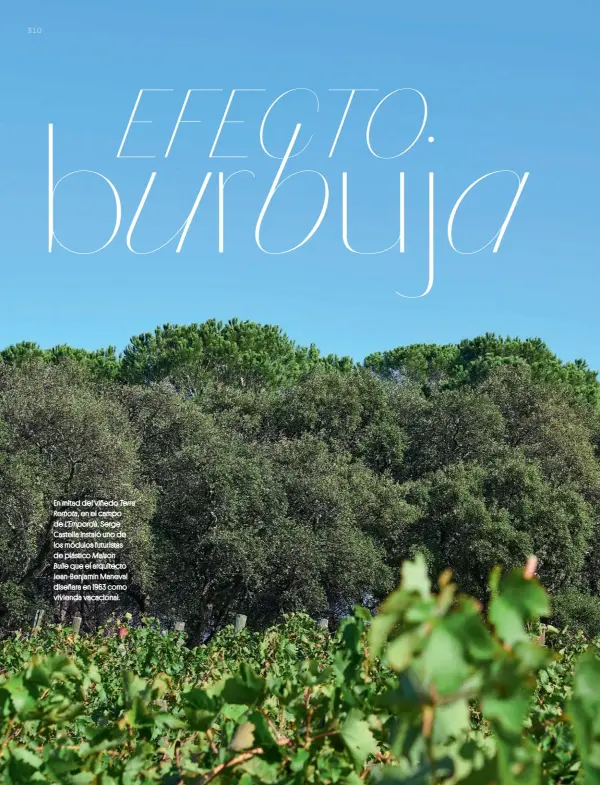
(76, 624)
(324, 624)
(542, 638)
(37, 621)
(179, 626)
(240, 622)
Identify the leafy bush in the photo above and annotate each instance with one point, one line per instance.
(427, 690)
(578, 610)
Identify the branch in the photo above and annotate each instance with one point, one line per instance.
(233, 762)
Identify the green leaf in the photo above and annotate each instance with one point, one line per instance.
(23, 766)
(451, 720)
(508, 620)
(357, 737)
(200, 709)
(263, 771)
(246, 687)
(415, 577)
(380, 628)
(508, 713)
(243, 738)
(443, 660)
(401, 650)
(299, 760)
(519, 600)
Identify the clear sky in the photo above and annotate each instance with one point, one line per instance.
(508, 86)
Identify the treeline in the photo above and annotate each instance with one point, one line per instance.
(269, 478)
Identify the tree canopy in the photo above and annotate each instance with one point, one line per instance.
(273, 479)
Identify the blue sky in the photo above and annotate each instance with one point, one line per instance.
(509, 86)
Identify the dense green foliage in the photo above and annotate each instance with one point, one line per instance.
(471, 361)
(243, 353)
(428, 690)
(270, 480)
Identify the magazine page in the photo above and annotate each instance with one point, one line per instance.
(299, 410)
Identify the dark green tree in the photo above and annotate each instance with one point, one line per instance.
(62, 439)
(238, 352)
(471, 361)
